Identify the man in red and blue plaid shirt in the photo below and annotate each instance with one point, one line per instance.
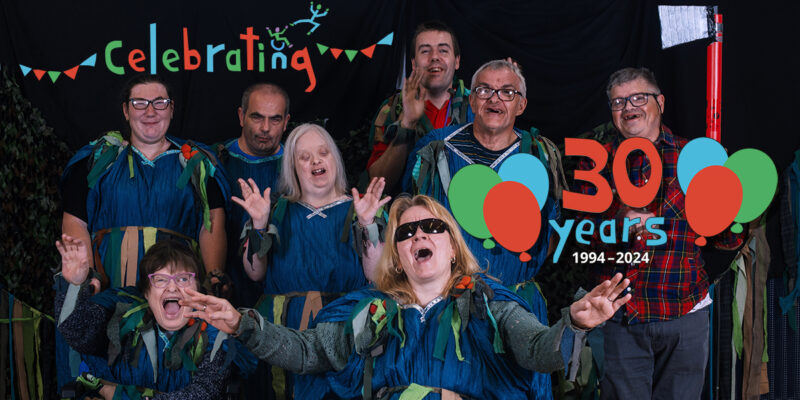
(659, 342)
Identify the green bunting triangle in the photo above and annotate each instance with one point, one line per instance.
(350, 54)
(54, 75)
(322, 48)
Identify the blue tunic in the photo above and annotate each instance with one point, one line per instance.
(310, 257)
(265, 172)
(481, 374)
(143, 196)
(499, 262)
(135, 369)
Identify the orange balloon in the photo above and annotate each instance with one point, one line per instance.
(512, 215)
(713, 199)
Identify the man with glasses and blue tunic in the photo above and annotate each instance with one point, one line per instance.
(497, 97)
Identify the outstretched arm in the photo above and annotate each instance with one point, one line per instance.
(537, 347)
(323, 348)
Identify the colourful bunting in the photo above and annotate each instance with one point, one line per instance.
(72, 72)
(387, 40)
(351, 53)
(368, 51)
(90, 61)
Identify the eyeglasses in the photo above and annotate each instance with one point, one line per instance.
(430, 225)
(182, 279)
(484, 93)
(158, 104)
(636, 99)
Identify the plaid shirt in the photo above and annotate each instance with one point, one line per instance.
(674, 280)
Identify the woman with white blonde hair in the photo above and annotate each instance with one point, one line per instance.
(301, 247)
(434, 324)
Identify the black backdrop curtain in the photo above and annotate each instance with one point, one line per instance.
(567, 50)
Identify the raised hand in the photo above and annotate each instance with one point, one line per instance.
(256, 204)
(600, 304)
(413, 99)
(217, 312)
(367, 206)
(74, 259)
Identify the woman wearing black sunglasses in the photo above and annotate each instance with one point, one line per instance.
(434, 324)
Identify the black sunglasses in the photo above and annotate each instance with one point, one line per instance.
(430, 225)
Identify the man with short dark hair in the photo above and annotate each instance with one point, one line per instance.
(256, 154)
(431, 99)
(658, 342)
(498, 97)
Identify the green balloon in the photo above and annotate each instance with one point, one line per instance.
(468, 189)
(759, 179)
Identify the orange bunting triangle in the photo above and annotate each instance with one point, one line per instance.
(72, 72)
(336, 52)
(39, 73)
(368, 51)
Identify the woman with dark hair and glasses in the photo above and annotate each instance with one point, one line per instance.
(138, 340)
(433, 327)
(124, 192)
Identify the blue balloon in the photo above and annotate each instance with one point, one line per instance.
(529, 171)
(696, 155)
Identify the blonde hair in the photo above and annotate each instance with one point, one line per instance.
(288, 182)
(396, 284)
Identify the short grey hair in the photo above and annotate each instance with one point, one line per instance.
(631, 74)
(288, 182)
(501, 64)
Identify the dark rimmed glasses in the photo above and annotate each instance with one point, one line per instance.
(429, 225)
(636, 99)
(182, 279)
(141, 104)
(485, 93)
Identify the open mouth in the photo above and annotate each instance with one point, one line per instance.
(495, 110)
(318, 171)
(423, 254)
(172, 309)
(435, 69)
(630, 117)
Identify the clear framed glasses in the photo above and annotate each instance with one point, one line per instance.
(636, 99)
(182, 279)
(485, 93)
(158, 104)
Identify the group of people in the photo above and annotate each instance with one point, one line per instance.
(183, 262)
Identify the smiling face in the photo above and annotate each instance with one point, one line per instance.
(314, 165)
(263, 123)
(492, 115)
(148, 126)
(164, 301)
(643, 121)
(434, 55)
(425, 257)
